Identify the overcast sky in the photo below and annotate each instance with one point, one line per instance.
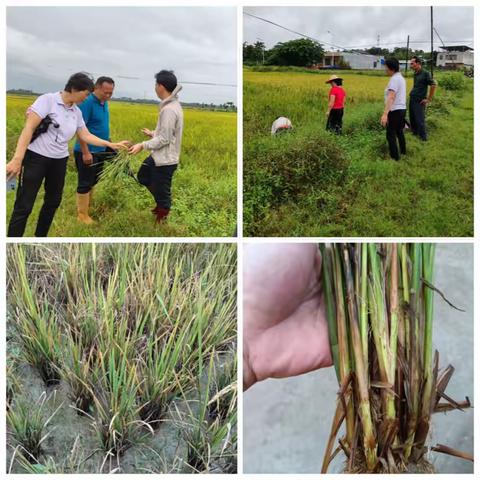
(45, 45)
(358, 27)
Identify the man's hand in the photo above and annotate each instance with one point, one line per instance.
(87, 158)
(285, 327)
(424, 102)
(14, 167)
(135, 149)
(327, 113)
(384, 120)
(147, 132)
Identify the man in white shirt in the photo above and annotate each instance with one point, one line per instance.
(395, 109)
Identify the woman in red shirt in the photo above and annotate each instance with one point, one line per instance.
(336, 102)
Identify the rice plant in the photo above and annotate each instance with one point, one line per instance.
(161, 375)
(123, 329)
(114, 396)
(35, 321)
(211, 439)
(379, 304)
(27, 426)
(223, 389)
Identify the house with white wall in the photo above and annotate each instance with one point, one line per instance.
(455, 57)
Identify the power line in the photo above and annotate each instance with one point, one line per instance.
(301, 34)
(347, 49)
(370, 45)
(183, 82)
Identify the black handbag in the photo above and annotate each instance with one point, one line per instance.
(43, 127)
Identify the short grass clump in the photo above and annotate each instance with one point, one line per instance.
(27, 423)
(379, 303)
(118, 332)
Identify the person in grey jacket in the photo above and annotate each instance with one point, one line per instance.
(157, 170)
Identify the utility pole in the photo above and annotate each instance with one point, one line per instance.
(406, 56)
(378, 40)
(431, 41)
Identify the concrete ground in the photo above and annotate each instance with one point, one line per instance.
(287, 421)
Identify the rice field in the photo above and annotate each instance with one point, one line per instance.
(127, 353)
(311, 183)
(203, 191)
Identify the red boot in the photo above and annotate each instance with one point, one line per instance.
(162, 214)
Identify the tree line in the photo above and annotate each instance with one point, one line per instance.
(304, 52)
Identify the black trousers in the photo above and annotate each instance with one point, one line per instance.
(417, 117)
(88, 175)
(158, 180)
(395, 126)
(37, 169)
(334, 121)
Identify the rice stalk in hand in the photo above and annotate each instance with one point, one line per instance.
(117, 170)
(379, 304)
(27, 426)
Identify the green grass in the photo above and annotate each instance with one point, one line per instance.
(204, 186)
(312, 183)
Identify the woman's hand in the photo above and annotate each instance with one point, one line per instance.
(384, 120)
(123, 145)
(285, 327)
(14, 168)
(147, 132)
(135, 149)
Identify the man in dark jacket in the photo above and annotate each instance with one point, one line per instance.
(418, 97)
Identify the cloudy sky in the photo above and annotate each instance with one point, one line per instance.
(47, 44)
(358, 27)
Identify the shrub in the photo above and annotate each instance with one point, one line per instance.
(452, 81)
(278, 169)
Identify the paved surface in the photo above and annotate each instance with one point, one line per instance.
(286, 422)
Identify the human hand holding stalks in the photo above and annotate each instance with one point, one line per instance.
(285, 331)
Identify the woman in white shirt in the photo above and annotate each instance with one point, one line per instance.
(393, 117)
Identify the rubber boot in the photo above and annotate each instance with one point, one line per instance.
(161, 214)
(90, 196)
(83, 201)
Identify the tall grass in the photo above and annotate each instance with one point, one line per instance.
(124, 327)
(379, 300)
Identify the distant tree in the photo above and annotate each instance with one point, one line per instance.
(381, 52)
(253, 53)
(300, 53)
